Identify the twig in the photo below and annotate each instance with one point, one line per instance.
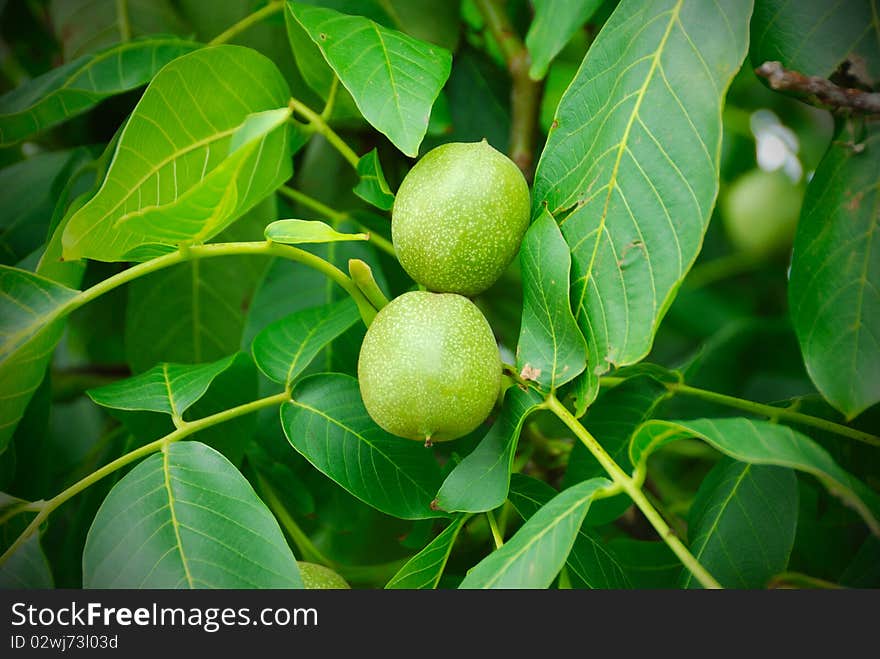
(823, 90)
(525, 94)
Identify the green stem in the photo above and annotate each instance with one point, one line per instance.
(272, 8)
(798, 580)
(772, 412)
(187, 428)
(378, 574)
(362, 275)
(197, 252)
(302, 541)
(496, 533)
(760, 409)
(122, 20)
(334, 215)
(319, 207)
(319, 125)
(331, 99)
(525, 94)
(635, 493)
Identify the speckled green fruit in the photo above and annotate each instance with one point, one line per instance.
(760, 211)
(459, 217)
(429, 367)
(318, 577)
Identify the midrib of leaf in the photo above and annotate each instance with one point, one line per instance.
(12, 341)
(863, 284)
(302, 345)
(444, 557)
(622, 146)
(366, 441)
(166, 470)
(721, 508)
(549, 527)
(394, 93)
(207, 141)
(597, 546)
(174, 413)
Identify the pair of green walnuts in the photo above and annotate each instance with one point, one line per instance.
(429, 367)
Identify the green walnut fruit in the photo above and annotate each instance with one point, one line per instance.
(429, 367)
(760, 212)
(318, 577)
(459, 217)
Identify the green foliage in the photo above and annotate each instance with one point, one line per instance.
(782, 31)
(553, 26)
(687, 394)
(742, 523)
(327, 423)
(537, 551)
(551, 349)
(179, 178)
(425, 568)
(480, 481)
(78, 86)
(408, 73)
(835, 305)
(649, 177)
(186, 518)
(591, 564)
(285, 348)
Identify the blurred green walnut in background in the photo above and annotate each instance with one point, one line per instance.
(429, 367)
(318, 577)
(459, 217)
(760, 211)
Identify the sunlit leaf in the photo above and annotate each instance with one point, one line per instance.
(373, 188)
(207, 141)
(590, 563)
(554, 24)
(167, 388)
(296, 232)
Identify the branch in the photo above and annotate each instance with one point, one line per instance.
(632, 488)
(272, 8)
(825, 92)
(525, 94)
(45, 508)
(760, 409)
